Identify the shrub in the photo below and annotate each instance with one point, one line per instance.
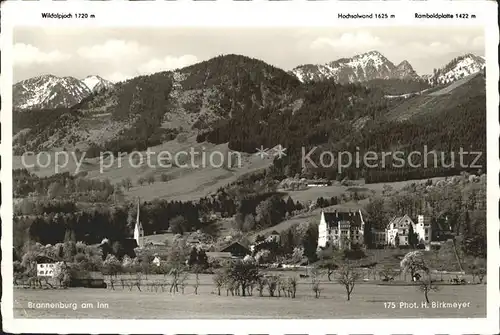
(181, 138)
(354, 254)
(111, 266)
(165, 177)
(80, 247)
(18, 268)
(80, 257)
(141, 181)
(151, 179)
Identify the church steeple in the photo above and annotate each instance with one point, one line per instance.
(138, 230)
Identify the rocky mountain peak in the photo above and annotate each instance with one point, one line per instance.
(457, 68)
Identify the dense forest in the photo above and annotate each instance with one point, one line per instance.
(398, 86)
(326, 114)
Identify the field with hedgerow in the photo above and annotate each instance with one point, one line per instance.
(367, 301)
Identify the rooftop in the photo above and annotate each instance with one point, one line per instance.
(336, 217)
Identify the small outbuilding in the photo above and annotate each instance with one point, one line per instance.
(236, 249)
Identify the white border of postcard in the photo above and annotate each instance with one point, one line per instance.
(251, 13)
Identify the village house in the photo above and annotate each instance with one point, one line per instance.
(399, 228)
(236, 249)
(273, 237)
(45, 266)
(341, 229)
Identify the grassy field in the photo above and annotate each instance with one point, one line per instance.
(313, 193)
(367, 301)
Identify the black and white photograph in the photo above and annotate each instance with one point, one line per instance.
(177, 173)
(194, 166)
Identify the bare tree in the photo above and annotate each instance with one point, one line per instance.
(176, 273)
(183, 277)
(315, 282)
(272, 285)
(231, 286)
(316, 289)
(388, 273)
(137, 282)
(261, 283)
(479, 274)
(196, 284)
(331, 267)
(243, 273)
(426, 285)
(219, 280)
(293, 286)
(347, 277)
(112, 283)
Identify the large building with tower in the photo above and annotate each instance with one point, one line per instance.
(341, 229)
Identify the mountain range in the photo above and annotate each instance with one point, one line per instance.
(49, 91)
(267, 105)
(373, 65)
(360, 68)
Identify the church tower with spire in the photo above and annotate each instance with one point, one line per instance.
(138, 230)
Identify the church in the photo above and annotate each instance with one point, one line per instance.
(138, 229)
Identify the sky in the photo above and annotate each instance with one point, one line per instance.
(122, 53)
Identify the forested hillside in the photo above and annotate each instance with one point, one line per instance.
(268, 107)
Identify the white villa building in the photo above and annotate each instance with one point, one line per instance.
(399, 227)
(341, 229)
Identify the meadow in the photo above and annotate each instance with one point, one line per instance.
(195, 180)
(369, 300)
(337, 190)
